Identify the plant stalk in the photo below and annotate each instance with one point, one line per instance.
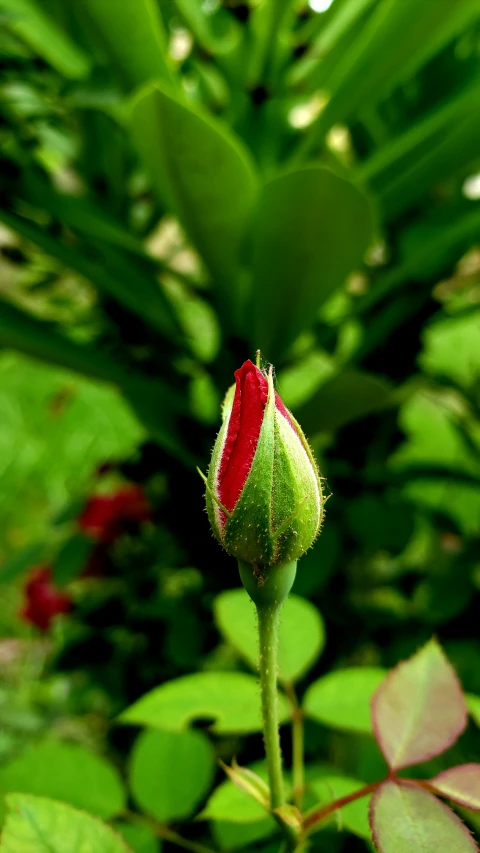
(268, 617)
(297, 747)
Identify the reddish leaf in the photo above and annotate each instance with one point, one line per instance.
(407, 819)
(419, 710)
(460, 784)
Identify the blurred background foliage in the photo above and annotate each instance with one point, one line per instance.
(182, 183)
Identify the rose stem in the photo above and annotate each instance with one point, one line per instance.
(268, 631)
(269, 588)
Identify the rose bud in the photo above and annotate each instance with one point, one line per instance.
(264, 495)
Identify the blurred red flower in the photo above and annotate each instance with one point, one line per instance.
(104, 517)
(43, 599)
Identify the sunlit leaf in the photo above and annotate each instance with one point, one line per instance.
(342, 698)
(39, 825)
(460, 784)
(231, 699)
(301, 633)
(406, 818)
(419, 710)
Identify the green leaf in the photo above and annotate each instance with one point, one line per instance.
(311, 229)
(331, 33)
(378, 60)
(405, 818)
(21, 561)
(39, 825)
(27, 19)
(342, 698)
(126, 282)
(80, 214)
(71, 559)
(353, 817)
(453, 151)
(460, 784)
(151, 399)
(346, 397)
(204, 173)
(452, 348)
(419, 710)
(202, 25)
(231, 699)
(473, 705)
(134, 37)
(392, 159)
(238, 836)
(66, 772)
(229, 803)
(170, 772)
(301, 634)
(140, 839)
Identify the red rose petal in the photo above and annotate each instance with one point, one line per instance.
(243, 431)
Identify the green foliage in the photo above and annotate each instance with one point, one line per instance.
(423, 820)
(38, 825)
(183, 183)
(170, 772)
(301, 635)
(231, 699)
(342, 698)
(298, 261)
(66, 772)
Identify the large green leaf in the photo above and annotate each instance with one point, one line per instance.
(27, 19)
(204, 173)
(311, 229)
(39, 825)
(405, 818)
(66, 772)
(345, 397)
(170, 772)
(231, 699)
(301, 633)
(134, 36)
(342, 698)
